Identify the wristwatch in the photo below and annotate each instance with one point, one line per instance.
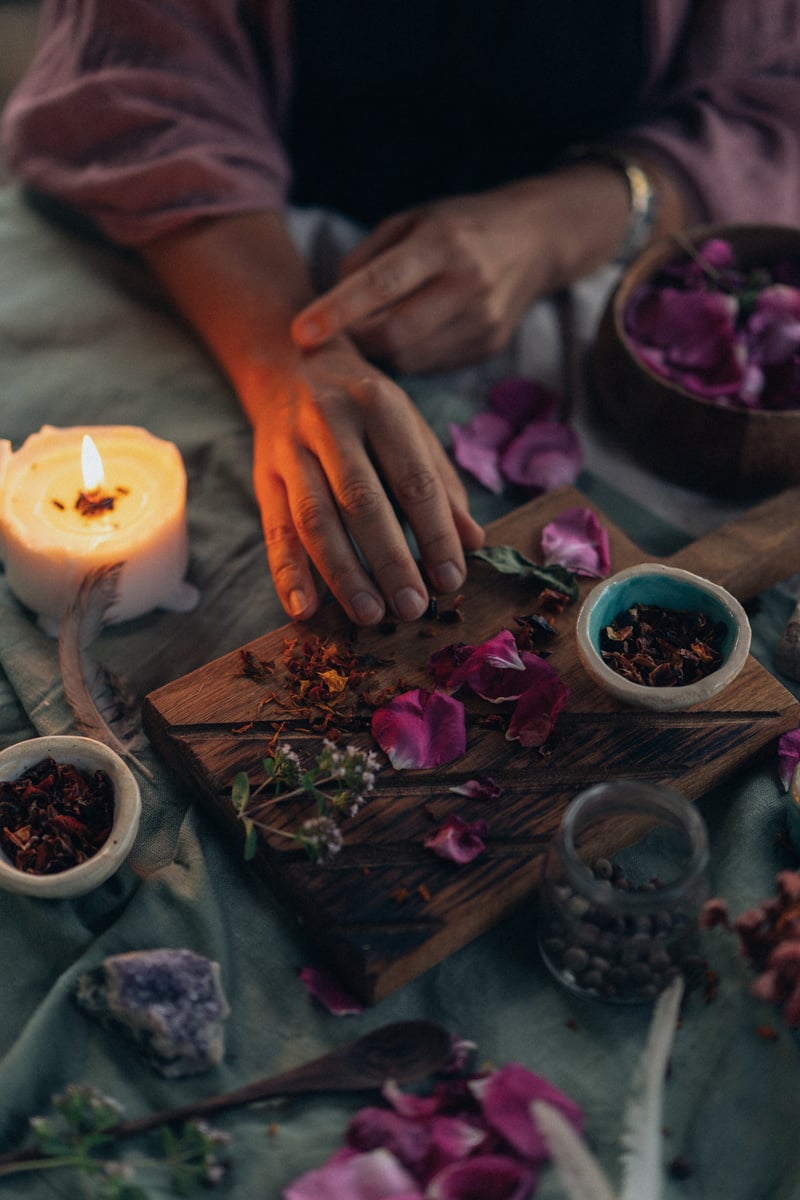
(643, 197)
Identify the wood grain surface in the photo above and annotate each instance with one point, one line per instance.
(386, 909)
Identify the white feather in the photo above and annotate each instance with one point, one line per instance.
(91, 693)
(578, 1170)
(642, 1174)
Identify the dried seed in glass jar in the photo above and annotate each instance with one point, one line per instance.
(612, 955)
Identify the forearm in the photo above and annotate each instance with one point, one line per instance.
(589, 205)
(238, 281)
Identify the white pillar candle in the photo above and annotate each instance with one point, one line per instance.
(56, 524)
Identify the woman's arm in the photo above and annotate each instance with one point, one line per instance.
(335, 441)
(146, 116)
(719, 134)
(447, 284)
(155, 120)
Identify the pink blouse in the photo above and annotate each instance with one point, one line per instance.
(144, 115)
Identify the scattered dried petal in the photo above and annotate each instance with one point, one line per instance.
(537, 709)
(376, 1175)
(457, 840)
(482, 788)
(421, 729)
(506, 1097)
(788, 756)
(545, 455)
(489, 1177)
(577, 541)
(326, 988)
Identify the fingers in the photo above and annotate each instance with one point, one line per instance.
(332, 508)
(430, 331)
(384, 235)
(306, 527)
(421, 481)
(381, 282)
(323, 508)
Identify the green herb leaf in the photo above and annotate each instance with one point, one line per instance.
(240, 792)
(509, 561)
(307, 781)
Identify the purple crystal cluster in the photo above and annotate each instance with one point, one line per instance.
(170, 1003)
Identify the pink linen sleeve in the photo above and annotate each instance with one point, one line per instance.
(725, 106)
(145, 115)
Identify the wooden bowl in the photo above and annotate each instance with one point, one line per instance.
(680, 436)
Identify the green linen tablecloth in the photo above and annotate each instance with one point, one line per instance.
(84, 339)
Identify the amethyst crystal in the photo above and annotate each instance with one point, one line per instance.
(169, 1002)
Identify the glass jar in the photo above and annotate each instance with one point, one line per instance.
(622, 887)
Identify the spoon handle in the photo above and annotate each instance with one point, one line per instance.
(306, 1078)
(404, 1051)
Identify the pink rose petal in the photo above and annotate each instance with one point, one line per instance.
(537, 709)
(773, 328)
(482, 788)
(458, 841)
(577, 541)
(420, 1138)
(490, 666)
(484, 1177)
(326, 988)
(506, 1096)
(788, 756)
(409, 1140)
(477, 445)
(544, 455)
(696, 332)
(421, 729)
(518, 439)
(376, 1175)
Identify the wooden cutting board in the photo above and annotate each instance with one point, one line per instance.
(386, 908)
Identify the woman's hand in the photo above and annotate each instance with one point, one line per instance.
(341, 456)
(446, 285)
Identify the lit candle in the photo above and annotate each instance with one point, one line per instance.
(75, 499)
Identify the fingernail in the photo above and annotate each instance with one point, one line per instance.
(409, 604)
(309, 328)
(448, 577)
(367, 610)
(298, 602)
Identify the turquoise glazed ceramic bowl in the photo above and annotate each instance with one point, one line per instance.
(672, 589)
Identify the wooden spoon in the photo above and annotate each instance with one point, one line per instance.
(405, 1051)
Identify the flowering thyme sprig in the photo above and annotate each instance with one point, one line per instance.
(340, 783)
(80, 1135)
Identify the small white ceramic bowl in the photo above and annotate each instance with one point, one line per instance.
(88, 755)
(667, 587)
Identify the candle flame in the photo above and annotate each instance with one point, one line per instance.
(92, 465)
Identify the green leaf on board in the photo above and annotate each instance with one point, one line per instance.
(509, 561)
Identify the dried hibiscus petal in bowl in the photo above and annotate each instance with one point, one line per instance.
(54, 816)
(663, 647)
